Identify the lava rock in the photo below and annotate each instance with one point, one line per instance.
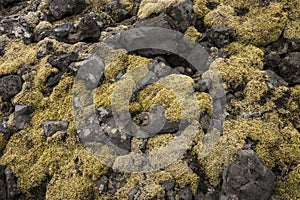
(87, 30)
(11, 182)
(2, 184)
(289, 68)
(20, 117)
(168, 184)
(60, 9)
(247, 178)
(51, 127)
(9, 2)
(62, 30)
(115, 10)
(185, 194)
(102, 184)
(220, 36)
(162, 21)
(294, 44)
(10, 86)
(61, 62)
(182, 15)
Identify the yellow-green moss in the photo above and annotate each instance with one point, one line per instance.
(289, 187)
(276, 147)
(244, 64)
(124, 62)
(260, 26)
(17, 54)
(292, 29)
(148, 7)
(192, 33)
(43, 25)
(2, 141)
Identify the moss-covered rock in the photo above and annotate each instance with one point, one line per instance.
(148, 7)
(16, 55)
(251, 28)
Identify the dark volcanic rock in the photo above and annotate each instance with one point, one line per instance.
(60, 9)
(10, 86)
(51, 127)
(9, 2)
(87, 30)
(289, 68)
(11, 182)
(247, 178)
(62, 61)
(62, 30)
(185, 194)
(183, 15)
(20, 117)
(162, 21)
(2, 184)
(220, 36)
(115, 10)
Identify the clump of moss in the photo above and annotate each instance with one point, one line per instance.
(289, 187)
(148, 7)
(244, 64)
(268, 136)
(2, 141)
(259, 26)
(292, 30)
(149, 185)
(17, 54)
(60, 156)
(192, 33)
(124, 62)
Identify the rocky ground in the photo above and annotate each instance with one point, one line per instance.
(255, 47)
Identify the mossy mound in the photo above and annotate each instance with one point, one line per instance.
(16, 55)
(251, 28)
(148, 7)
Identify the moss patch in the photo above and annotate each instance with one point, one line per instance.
(259, 26)
(17, 54)
(148, 7)
(2, 141)
(292, 29)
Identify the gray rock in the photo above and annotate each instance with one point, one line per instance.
(9, 2)
(247, 178)
(21, 116)
(51, 127)
(162, 21)
(11, 182)
(87, 30)
(185, 194)
(10, 86)
(220, 36)
(289, 68)
(60, 9)
(182, 15)
(2, 184)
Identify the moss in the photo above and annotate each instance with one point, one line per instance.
(268, 136)
(74, 187)
(103, 95)
(44, 71)
(259, 26)
(289, 188)
(192, 33)
(16, 55)
(2, 141)
(148, 7)
(292, 29)
(56, 157)
(43, 25)
(124, 62)
(200, 8)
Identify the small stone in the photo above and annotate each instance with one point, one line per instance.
(51, 127)
(10, 86)
(20, 117)
(60, 9)
(185, 194)
(87, 30)
(11, 183)
(247, 178)
(220, 36)
(168, 184)
(61, 62)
